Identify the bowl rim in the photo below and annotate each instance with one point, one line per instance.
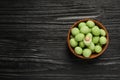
(101, 26)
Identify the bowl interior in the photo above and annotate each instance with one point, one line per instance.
(104, 47)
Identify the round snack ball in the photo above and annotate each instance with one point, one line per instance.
(103, 40)
(96, 26)
(73, 43)
(71, 37)
(89, 35)
(79, 37)
(74, 31)
(87, 41)
(81, 44)
(98, 48)
(78, 50)
(95, 31)
(102, 32)
(85, 29)
(90, 23)
(81, 24)
(87, 53)
(92, 46)
(95, 40)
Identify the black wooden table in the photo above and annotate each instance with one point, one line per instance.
(33, 40)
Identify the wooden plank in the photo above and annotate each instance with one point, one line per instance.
(33, 40)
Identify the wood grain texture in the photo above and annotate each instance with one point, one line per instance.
(33, 40)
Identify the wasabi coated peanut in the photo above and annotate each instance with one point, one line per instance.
(95, 31)
(102, 32)
(98, 48)
(87, 53)
(71, 36)
(78, 50)
(92, 46)
(87, 40)
(103, 40)
(81, 24)
(89, 35)
(95, 40)
(79, 37)
(84, 30)
(81, 44)
(90, 23)
(96, 26)
(74, 31)
(73, 43)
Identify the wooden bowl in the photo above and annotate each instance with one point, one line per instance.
(94, 55)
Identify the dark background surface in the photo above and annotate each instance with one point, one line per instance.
(33, 40)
